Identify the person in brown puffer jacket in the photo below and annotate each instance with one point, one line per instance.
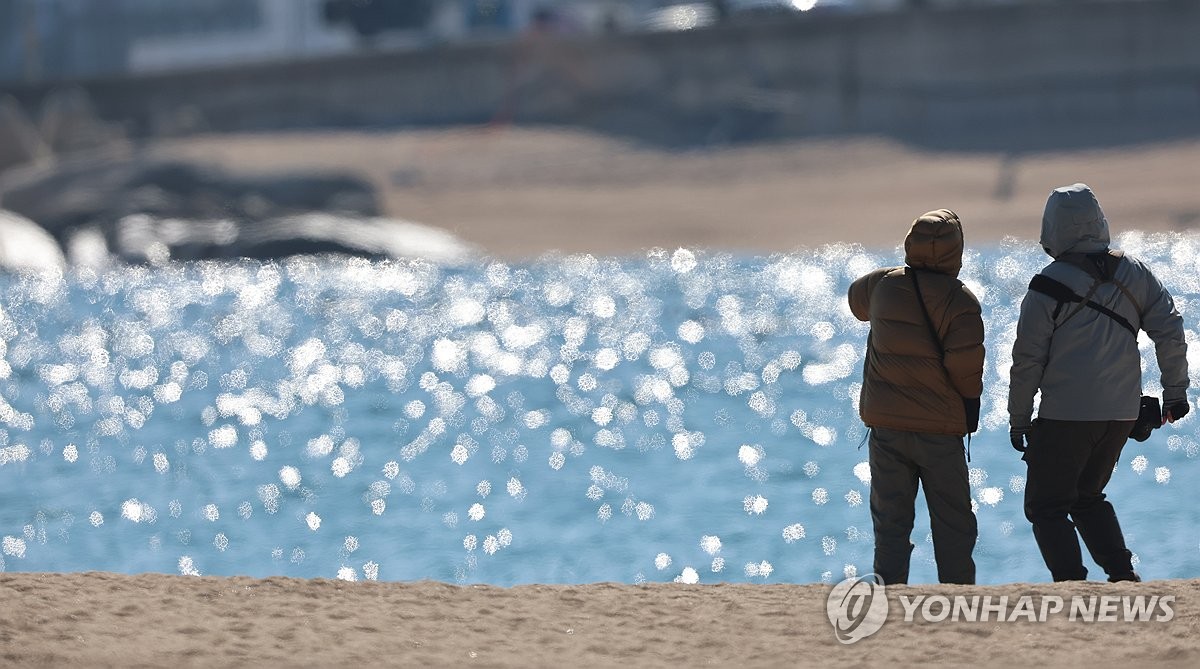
(922, 380)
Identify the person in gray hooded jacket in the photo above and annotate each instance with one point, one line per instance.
(1077, 343)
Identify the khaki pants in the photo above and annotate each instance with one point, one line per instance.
(900, 462)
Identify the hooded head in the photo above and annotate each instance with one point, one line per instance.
(935, 243)
(1073, 222)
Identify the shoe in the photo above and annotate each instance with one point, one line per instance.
(1131, 577)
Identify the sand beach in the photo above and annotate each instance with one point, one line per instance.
(518, 193)
(109, 620)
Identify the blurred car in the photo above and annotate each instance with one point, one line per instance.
(369, 18)
(675, 16)
(768, 8)
(672, 15)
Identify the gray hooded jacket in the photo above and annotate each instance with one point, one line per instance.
(1087, 365)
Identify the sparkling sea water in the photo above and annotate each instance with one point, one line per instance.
(683, 415)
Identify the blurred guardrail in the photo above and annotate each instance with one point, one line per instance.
(985, 71)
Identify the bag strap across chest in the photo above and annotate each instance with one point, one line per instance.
(933, 334)
(1102, 267)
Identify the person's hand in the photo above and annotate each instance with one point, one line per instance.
(1018, 437)
(1176, 410)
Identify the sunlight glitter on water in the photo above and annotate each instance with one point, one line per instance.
(587, 419)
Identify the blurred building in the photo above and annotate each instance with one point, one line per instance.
(55, 40)
(983, 73)
(49, 40)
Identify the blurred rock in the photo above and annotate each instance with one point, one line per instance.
(152, 212)
(19, 140)
(93, 192)
(86, 247)
(66, 195)
(25, 246)
(144, 239)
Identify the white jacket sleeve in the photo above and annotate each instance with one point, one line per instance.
(1164, 325)
(1035, 327)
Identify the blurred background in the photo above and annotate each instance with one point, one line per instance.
(607, 126)
(55, 39)
(729, 166)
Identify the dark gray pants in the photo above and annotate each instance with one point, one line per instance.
(1070, 462)
(900, 461)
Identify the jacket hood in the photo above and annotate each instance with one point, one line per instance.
(935, 243)
(1073, 222)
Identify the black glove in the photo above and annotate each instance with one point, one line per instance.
(1018, 437)
(1176, 410)
(971, 406)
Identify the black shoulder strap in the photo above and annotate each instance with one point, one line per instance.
(1055, 289)
(1102, 267)
(1064, 295)
(1114, 258)
(912, 273)
(937, 341)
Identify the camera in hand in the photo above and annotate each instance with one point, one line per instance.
(1149, 419)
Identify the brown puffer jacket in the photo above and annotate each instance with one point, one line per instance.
(905, 386)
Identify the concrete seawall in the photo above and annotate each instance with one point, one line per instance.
(989, 73)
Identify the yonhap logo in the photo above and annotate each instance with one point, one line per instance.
(857, 608)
